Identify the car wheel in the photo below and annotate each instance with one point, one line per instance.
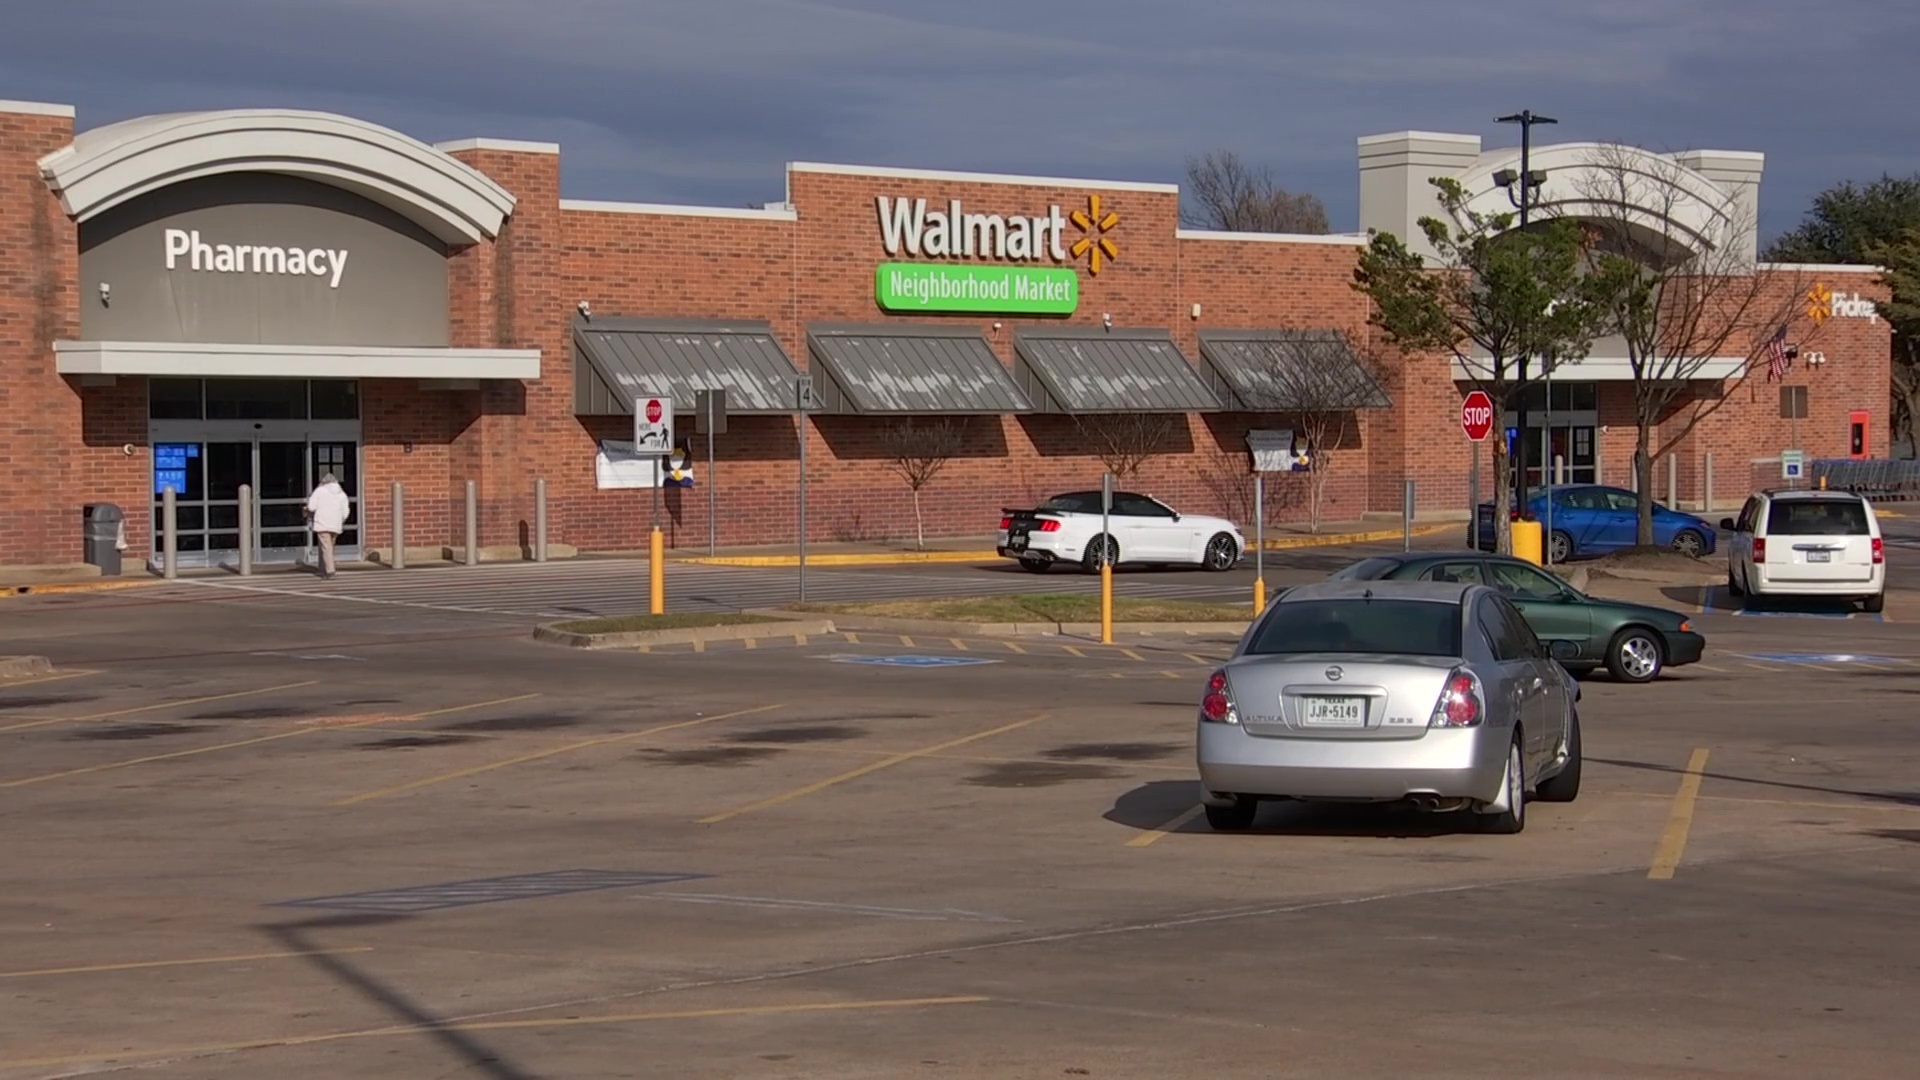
(1635, 655)
(1560, 547)
(1036, 566)
(1222, 553)
(1090, 561)
(1733, 585)
(1565, 784)
(1235, 817)
(1875, 604)
(1689, 543)
(1514, 793)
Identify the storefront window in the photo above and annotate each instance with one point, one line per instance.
(335, 399)
(1567, 396)
(256, 399)
(173, 399)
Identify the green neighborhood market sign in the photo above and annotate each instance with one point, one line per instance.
(999, 290)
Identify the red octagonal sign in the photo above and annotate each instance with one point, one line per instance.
(653, 410)
(1476, 416)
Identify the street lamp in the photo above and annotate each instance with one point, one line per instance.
(1528, 181)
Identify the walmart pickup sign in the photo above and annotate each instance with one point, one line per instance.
(997, 290)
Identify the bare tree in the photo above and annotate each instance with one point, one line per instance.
(918, 450)
(1124, 441)
(1319, 381)
(1236, 197)
(1690, 307)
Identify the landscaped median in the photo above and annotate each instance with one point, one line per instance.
(1075, 614)
(629, 631)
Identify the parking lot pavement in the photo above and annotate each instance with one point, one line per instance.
(263, 833)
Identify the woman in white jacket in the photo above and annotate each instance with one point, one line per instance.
(327, 511)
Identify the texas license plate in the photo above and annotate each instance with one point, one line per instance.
(1819, 556)
(1017, 543)
(1347, 712)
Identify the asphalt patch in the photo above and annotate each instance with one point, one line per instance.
(530, 722)
(1113, 751)
(711, 756)
(257, 712)
(803, 733)
(124, 732)
(411, 742)
(1028, 774)
(43, 702)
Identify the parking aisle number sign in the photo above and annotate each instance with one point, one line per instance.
(653, 425)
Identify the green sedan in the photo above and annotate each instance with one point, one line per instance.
(1634, 642)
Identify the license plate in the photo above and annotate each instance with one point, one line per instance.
(1819, 556)
(1016, 543)
(1347, 712)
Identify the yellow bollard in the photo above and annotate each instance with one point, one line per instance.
(1823, 482)
(1106, 603)
(1526, 541)
(657, 572)
(1259, 596)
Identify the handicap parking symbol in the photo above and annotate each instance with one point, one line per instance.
(914, 661)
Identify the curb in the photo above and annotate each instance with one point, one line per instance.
(21, 667)
(552, 635)
(74, 587)
(909, 558)
(933, 627)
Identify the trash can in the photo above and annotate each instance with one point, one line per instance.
(105, 530)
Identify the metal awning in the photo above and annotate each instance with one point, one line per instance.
(903, 369)
(618, 360)
(1289, 371)
(1108, 371)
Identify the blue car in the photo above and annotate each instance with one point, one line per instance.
(1589, 519)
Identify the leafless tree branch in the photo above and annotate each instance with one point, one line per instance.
(1318, 380)
(917, 450)
(1124, 441)
(1236, 197)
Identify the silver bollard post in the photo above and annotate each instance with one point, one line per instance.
(1406, 519)
(246, 530)
(1673, 481)
(1706, 487)
(539, 521)
(473, 527)
(399, 497)
(1559, 470)
(169, 535)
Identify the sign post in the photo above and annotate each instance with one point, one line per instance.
(1106, 559)
(1259, 544)
(710, 419)
(1476, 422)
(803, 396)
(653, 435)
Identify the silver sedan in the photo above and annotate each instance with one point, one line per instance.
(1433, 694)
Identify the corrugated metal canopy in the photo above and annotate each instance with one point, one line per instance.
(1289, 371)
(911, 369)
(617, 360)
(1109, 371)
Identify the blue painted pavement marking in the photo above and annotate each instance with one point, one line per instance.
(1822, 658)
(451, 894)
(914, 661)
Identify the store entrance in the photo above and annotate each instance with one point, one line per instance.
(207, 458)
(1560, 434)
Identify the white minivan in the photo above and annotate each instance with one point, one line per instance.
(1807, 543)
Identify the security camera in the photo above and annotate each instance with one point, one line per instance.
(1106, 320)
(105, 291)
(586, 309)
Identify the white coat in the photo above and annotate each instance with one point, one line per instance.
(329, 508)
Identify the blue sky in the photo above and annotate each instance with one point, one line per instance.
(703, 101)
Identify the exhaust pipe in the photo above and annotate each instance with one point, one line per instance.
(1425, 803)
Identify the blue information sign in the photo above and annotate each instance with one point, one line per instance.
(170, 466)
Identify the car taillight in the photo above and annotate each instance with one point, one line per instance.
(1049, 525)
(1006, 523)
(1879, 550)
(1460, 704)
(1759, 549)
(1217, 705)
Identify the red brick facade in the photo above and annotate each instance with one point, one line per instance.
(62, 442)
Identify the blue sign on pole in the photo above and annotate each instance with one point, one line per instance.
(1513, 440)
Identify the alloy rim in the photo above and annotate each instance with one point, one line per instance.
(1560, 548)
(1516, 785)
(1687, 544)
(1640, 657)
(1221, 554)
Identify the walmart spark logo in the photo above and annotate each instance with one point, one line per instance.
(1819, 303)
(1094, 244)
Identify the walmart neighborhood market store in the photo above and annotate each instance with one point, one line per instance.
(206, 300)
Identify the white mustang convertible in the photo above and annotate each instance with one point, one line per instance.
(1141, 529)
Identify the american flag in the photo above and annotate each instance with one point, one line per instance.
(1777, 360)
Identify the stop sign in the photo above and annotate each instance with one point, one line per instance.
(1476, 416)
(653, 411)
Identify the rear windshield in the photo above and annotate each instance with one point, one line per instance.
(1366, 570)
(1406, 627)
(1817, 517)
(1076, 503)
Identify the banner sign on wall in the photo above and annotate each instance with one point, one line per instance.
(997, 290)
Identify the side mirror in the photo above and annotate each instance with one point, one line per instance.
(1561, 649)
(1176, 515)
(1727, 524)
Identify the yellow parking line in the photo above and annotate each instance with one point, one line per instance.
(1763, 667)
(1131, 655)
(540, 755)
(907, 641)
(1014, 646)
(751, 643)
(646, 648)
(253, 741)
(1673, 841)
(1710, 667)
(156, 707)
(852, 638)
(270, 1041)
(1152, 836)
(699, 645)
(871, 767)
(139, 965)
(1075, 651)
(799, 639)
(959, 644)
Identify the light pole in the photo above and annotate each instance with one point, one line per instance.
(1528, 181)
